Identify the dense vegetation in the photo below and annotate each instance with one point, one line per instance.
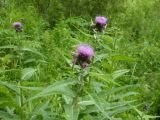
(38, 80)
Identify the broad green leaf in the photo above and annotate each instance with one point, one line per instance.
(27, 73)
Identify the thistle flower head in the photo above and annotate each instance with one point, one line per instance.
(85, 50)
(101, 20)
(17, 26)
(83, 55)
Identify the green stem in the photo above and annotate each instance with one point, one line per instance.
(80, 88)
(21, 102)
(20, 68)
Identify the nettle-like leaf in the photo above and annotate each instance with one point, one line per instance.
(28, 73)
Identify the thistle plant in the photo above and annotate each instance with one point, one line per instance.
(17, 26)
(100, 23)
(82, 57)
(99, 27)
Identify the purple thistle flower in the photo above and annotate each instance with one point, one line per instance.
(17, 26)
(83, 55)
(85, 50)
(101, 20)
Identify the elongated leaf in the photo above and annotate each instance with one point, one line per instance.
(121, 96)
(86, 103)
(145, 117)
(15, 88)
(10, 86)
(32, 51)
(103, 77)
(27, 73)
(71, 112)
(117, 89)
(123, 58)
(119, 110)
(8, 46)
(10, 70)
(6, 116)
(119, 73)
(58, 87)
(100, 57)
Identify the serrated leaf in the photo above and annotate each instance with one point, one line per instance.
(58, 87)
(97, 103)
(27, 73)
(119, 73)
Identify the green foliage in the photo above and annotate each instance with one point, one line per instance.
(38, 80)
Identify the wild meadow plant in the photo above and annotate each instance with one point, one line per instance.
(17, 26)
(41, 84)
(101, 22)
